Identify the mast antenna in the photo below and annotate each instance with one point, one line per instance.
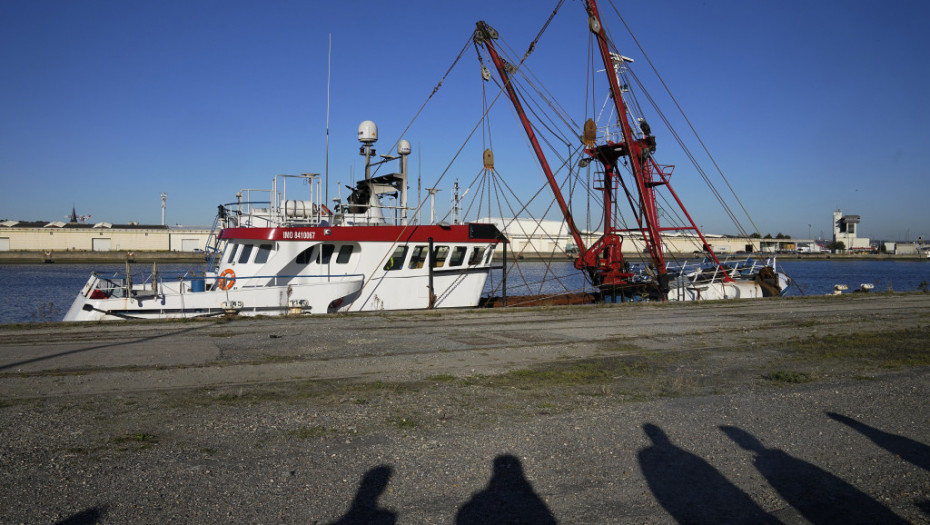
(329, 60)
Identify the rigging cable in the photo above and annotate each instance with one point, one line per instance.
(680, 110)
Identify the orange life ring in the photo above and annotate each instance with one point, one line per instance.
(226, 280)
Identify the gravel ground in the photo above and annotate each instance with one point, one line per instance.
(776, 411)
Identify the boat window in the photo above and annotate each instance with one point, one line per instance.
(305, 256)
(489, 253)
(232, 253)
(418, 257)
(246, 252)
(345, 251)
(396, 262)
(263, 251)
(441, 253)
(327, 253)
(476, 254)
(458, 256)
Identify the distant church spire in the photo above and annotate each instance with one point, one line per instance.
(74, 217)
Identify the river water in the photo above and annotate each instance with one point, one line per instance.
(43, 292)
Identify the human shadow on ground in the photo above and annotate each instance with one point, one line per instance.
(85, 517)
(924, 506)
(818, 495)
(913, 452)
(364, 509)
(508, 498)
(690, 489)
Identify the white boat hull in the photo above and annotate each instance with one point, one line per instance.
(172, 301)
(716, 291)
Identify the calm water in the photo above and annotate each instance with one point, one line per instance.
(43, 292)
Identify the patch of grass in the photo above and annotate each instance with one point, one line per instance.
(475, 380)
(249, 395)
(402, 422)
(807, 324)
(268, 358)
(571, 374)
(887, 348)
(208, 451)
(442, 378)
(316, 431)
(139, 437)
(787, 376)
(249, 398)
(382, 388)
(137, 441)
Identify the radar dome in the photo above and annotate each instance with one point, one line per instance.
(367, 132)
(403, 147)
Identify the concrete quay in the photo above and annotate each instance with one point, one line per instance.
(807, 410)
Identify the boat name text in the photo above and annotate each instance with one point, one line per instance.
(298, 235)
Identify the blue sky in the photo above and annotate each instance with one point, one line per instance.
(807, 106)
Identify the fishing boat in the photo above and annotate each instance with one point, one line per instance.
(282, 251)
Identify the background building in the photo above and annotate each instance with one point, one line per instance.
(99, 237)
(845, 230)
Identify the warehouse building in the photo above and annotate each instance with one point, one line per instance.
(100, 237)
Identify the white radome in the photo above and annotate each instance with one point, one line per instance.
(368, 132)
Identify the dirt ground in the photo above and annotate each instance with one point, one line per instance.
(810, 410)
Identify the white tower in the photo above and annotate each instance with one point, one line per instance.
(164, 200)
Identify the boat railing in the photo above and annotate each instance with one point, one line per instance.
(279, 207)
(194, 282)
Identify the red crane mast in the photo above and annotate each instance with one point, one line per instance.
(603, 260)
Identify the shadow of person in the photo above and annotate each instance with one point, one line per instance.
(818, 495)
(509, 498)
(924, 506)
(85, 517)
(913, 452)
(364, 509)
(690, 489)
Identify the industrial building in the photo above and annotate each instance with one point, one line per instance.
(531, 237)
(100, 237)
